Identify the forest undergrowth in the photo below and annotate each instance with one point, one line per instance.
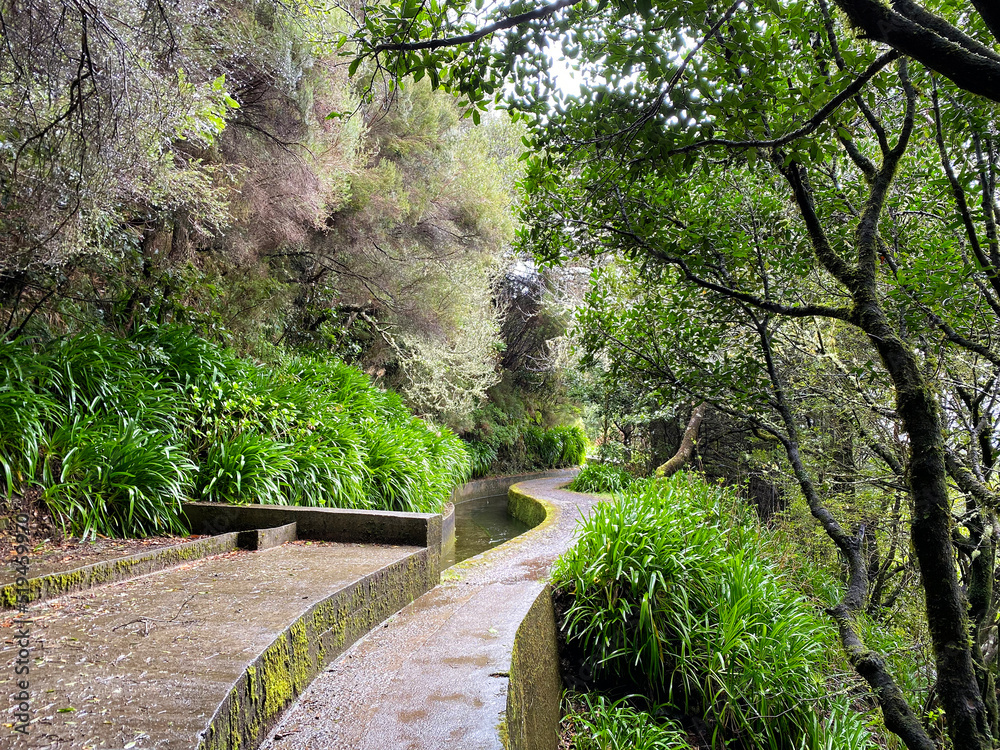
(117, 432)
(682, 628)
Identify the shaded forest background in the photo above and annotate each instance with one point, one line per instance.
(218, 167)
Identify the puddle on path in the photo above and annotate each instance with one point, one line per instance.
(482, 524)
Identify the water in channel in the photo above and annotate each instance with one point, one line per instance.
(481, 524)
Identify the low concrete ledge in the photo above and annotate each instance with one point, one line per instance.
(109, 571)
(265, 526)
(324, 524)
(261, 539)
(534, 689)
(279, 675)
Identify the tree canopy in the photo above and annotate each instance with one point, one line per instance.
(774, 178)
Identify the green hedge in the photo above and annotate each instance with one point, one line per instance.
(118, 432)
(673, 590)
(527, 448)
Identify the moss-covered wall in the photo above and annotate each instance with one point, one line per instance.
(291, 662)
(530, 510)
(535, 688)
(109, 571)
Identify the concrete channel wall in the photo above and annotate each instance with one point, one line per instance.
(257, 527)
(479, 489)
(278, 676)
(253, 527)
(534, 686)
(326, 524)
(494, 486)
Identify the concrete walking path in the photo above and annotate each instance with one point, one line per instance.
(436, 674)
(145, 663)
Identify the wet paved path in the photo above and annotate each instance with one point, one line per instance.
(145, 663)
(429, 679)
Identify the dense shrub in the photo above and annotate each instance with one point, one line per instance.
(672, 590)
(601, 478)
(483, 457)
(574, 444)
(119, 431)
(119, 479)
(528, 447)
(596, 723)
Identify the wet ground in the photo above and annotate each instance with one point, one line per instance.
(56, 556)
(144, 663)
(432, 677)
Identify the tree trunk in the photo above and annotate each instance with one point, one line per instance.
(931, 530)
(688, 442)
(899, 717)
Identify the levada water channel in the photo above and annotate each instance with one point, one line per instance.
(482, 523)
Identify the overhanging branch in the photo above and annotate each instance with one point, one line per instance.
(457, 41)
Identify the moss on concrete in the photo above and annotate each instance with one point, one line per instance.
(529, 510)
(531, 721)
(109, 571)
(502, 732)
(321, 634)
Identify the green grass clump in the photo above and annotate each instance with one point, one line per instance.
(596, 723)
(118, 432)
(527, 448)
(672, 590)
(482, 456)
(573, 444)
(601, 478)
(244, 468)
(118, 479)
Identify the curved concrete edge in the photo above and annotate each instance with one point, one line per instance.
(492, 486)
(280, 674)
(110, 571)
(527, 509)
(534, 689)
